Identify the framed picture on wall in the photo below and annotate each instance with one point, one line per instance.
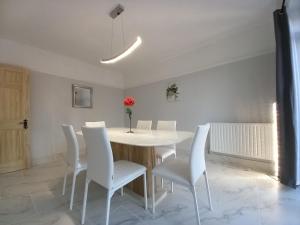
(82, 96)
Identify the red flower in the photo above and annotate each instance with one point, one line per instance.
(129, 101)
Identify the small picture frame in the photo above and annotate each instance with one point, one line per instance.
(82, 96)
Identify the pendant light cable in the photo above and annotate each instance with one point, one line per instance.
(123, 35)
(112, 37)
(114, 14)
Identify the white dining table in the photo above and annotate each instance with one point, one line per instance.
(146, 138)
(140, 146)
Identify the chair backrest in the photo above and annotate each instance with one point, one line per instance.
(166, 125)
(144, 124)
(197, 156)
(95, 124)
(100, 165)
(72, 156)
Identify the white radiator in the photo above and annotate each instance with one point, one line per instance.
(247, 140)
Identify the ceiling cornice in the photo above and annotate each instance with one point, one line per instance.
(227, 48)
(223, 35)
(43, 61)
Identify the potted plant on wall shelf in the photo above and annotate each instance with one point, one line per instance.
(172, 92)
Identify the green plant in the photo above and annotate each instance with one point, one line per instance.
(172, 90)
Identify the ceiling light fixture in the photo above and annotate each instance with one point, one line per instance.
(127, 52)
(114, 14)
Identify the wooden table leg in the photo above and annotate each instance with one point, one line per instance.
(141, 155)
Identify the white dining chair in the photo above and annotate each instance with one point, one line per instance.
(95, 124)
(74, 162)
(104, 171)
(144, 124)
(163, 152)
(187, 172)
(100, 124)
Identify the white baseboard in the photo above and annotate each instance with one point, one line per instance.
(256, 165)
(47, 159)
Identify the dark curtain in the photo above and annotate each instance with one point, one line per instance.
(285, 98)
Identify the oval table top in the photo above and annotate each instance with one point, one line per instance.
(146, 138)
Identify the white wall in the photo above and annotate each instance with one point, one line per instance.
(242, 91)
(51, 105)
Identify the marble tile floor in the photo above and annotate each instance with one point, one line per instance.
(240, 197)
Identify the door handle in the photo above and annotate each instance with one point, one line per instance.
(25, 124)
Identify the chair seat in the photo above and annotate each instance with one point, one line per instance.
(176, 170)
(165, 151)
(125, 171)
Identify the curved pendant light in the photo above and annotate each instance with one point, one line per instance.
(127, 52)
(114, 14)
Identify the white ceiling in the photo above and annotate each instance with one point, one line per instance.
(169, 28)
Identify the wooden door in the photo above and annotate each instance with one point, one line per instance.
(14, 109)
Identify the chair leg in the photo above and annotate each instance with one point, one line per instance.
(145, 191)
(122, 191)
(65, 181)
(196, 205)
(162, 179)
(73, 189)
(86, 189)
(208, 191)
(153, 194)
(172, 184)
(108, 197)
